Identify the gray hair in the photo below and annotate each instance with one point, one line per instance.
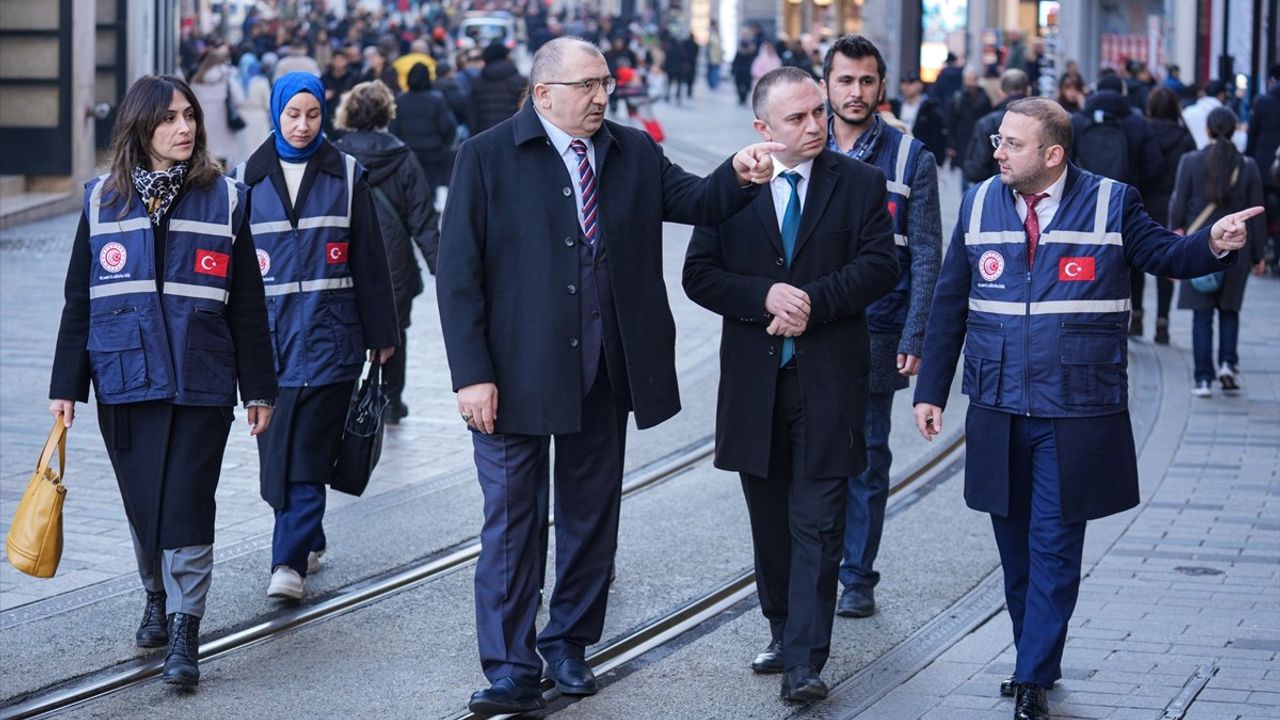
(549, 58)
(1013, 81)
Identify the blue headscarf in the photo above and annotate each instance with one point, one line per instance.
(286, 87)
(249, 68)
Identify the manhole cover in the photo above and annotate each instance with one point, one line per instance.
(1197, 570)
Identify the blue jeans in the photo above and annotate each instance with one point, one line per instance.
(1202, 341)
(868, 492)
(713, 76)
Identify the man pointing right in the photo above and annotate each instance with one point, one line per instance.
(1035, 285)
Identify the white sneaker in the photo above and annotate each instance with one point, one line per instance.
(1202, 389)
(1228, 377)
(285, 583)
(313, 561)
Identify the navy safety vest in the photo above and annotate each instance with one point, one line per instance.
(169, 341)
(896, 157)
(1049, 342)
(311, 299)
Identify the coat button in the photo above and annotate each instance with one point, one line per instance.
(780, 262)
(568, 242)
(771, 349)
(573, 342)
(568, 191)
(570, 289)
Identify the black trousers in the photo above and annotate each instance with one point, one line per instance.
(797, 529)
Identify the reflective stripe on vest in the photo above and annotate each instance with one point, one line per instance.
(1049, 307)
(309, 286)
(900, 184)
(1098, 236)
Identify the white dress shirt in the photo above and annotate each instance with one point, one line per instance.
(1047, 207)
(560, 141)
(781, 188)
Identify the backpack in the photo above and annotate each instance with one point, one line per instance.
(1103, 147)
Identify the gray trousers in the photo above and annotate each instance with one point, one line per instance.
(183, 574)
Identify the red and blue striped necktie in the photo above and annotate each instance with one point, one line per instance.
(587, 181)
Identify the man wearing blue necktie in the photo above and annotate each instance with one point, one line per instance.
(792, 274)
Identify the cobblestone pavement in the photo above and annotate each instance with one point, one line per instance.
(1181, 595)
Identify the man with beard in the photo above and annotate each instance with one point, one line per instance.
(853, 77)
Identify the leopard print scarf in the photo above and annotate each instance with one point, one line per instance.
(158, 188)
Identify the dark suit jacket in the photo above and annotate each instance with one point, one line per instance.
(844, 259)
(1085, 445)
(509, 263)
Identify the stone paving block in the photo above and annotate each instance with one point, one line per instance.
(974, 702)
(1209, 710)
(899, 706)
(1265, 698)
(1220, 695)
(1110, 700)
(960, 713)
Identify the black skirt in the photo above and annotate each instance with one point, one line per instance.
(301, 443)
(167, 459)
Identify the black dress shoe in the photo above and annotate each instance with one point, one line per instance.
(180, 666)
(856, 602)
(802, 685)
(769, 661)
(573, 676)
(153, 632)
(1032, 704)
(1009, 686)
(506, 696)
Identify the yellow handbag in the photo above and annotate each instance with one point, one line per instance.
(35, 536)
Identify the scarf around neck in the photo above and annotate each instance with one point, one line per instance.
(158, 188)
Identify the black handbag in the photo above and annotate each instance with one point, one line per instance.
(361, 444)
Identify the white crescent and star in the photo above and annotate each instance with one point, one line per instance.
(208, 263)
(1072, 269)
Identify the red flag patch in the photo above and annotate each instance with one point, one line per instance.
(209, 262)
(335, 253)
(1075, 269)
(893, 209)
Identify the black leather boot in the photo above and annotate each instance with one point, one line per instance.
(180, 666)
(153, 632)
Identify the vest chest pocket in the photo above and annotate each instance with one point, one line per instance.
(116, 357)
(209, 366)
(983, 353)
(1092, 363)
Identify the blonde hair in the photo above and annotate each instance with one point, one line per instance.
(367, 106)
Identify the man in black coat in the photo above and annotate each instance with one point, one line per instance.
(556, 325)
(1264, 138)
(792, 276)
(922, 114)
(978, 161)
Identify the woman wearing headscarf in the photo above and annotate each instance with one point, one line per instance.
(256, 108)
(164, 312)
(403, 196)
(1221, 177)
(324, 266)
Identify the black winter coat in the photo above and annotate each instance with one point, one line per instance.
(496, 94)
(963, 111)
(1264, 133)
(1186, 204)
(424, 121)
(509, 267)
(930, 128)
(979, 159)
(1174, 141)
(1145, 162)
(394, 171)
(844, 259)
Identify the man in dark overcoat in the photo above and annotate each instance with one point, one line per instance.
(1035, 287)
(792, 275)
(556, 325)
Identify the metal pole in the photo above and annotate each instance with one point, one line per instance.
(1225, 61)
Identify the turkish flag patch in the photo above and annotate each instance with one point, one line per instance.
(209, 262)
(335, 253)
(893, 209)
(1073, 269)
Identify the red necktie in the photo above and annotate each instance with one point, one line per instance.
(1032, 224)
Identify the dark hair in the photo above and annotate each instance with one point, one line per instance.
(141, 111)
(1069, 81)
(1214, 88)
(764, 87)
(1162, 103)
(367, 106)
(419, 77)
(1055, 122)
(1221, 157)
(854, 47)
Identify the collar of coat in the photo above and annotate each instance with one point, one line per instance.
(264, 161)
(527, 128)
